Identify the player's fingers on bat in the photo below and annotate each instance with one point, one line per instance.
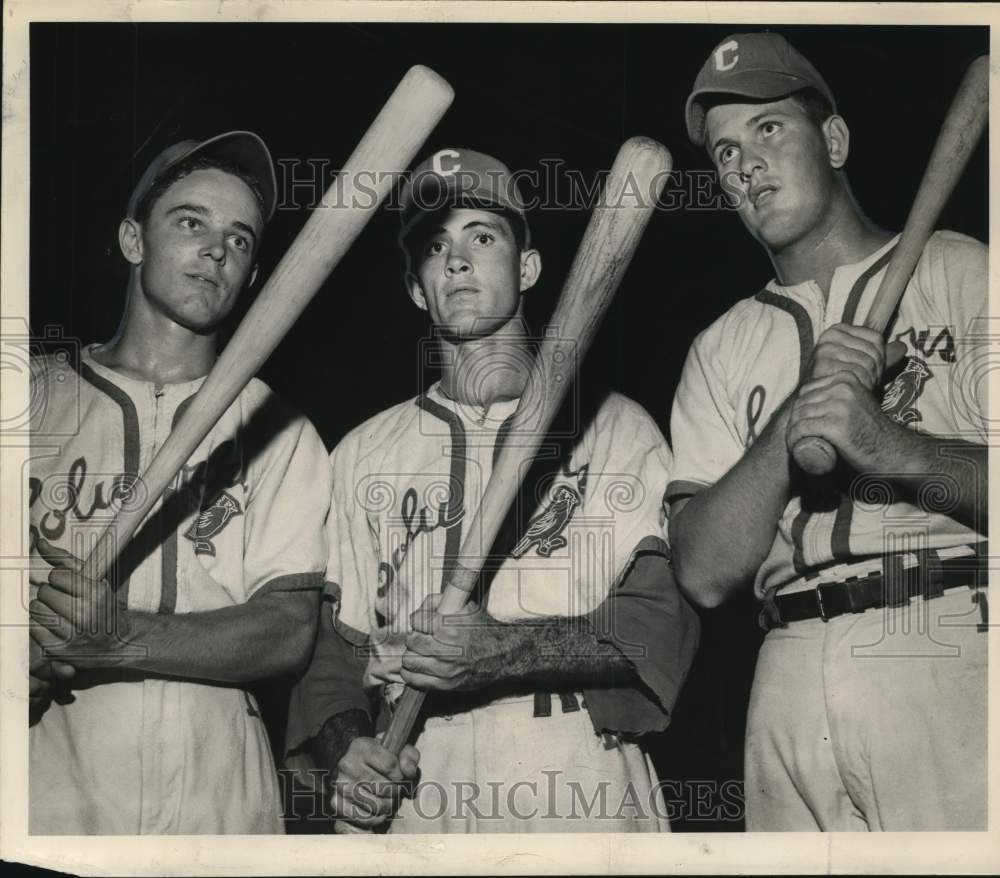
(56, 556)
(409, 761)
(423, 618)
(63, 670)
(37, 686)
(48, 626)
(895, 351)
(858, 336)
(38, 665)
(443, 667)
(429, 646)
(426, 682)
(831, 358)
(38, 571)
(56, 601)
(72, 582)
(844, 381)
(824, 426)
(376, 762)
(44, 637)
(859, 339)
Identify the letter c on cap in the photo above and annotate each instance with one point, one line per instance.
(727, 55)
(441, 169)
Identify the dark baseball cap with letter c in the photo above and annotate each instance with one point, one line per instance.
(464, 176)
(759, 66)
(241, 148)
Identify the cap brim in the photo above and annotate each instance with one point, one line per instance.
(433, 193)
(242, 148)
(246, 149)
(755, 84)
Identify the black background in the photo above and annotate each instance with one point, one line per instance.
(105, 98)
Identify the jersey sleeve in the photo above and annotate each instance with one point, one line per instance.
(333, 681)
(703, 427)
(647, 619)
(288, 498)
(643, 615)
(955, 278)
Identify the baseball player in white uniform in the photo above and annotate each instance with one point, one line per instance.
(143, 724)
(577, 641)
(868, 709)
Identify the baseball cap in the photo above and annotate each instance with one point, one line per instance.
(242, 148)
(762, 66)
(459, 175)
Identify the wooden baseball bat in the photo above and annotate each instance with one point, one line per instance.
(629, 197)
(386, 150)
(959, 135)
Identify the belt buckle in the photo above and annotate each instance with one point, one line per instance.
(820, 604)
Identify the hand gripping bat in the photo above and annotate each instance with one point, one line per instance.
(959, 135)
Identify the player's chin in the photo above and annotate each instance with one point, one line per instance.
(774, 232)
(470, 326)
(203, 316)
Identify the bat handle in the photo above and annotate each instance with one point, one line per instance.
(404, 716)
(814, 455)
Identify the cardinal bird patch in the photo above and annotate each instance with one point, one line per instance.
(900, 400)
(211, 522)
(545, 528)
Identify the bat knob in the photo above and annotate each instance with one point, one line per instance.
(815, 456)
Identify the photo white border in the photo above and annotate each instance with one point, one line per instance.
(915, 853)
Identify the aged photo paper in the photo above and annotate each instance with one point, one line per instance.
(94, 90)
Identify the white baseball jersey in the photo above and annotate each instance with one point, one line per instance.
(744, 365)
(406, 485)
(129, 752)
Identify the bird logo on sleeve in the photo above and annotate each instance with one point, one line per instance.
(900, 400)
(545, 529)
(211, 521)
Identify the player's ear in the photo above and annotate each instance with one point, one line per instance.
(415, 290)
(838, 140)
(130, 240)
(253, 276)
(531, 268)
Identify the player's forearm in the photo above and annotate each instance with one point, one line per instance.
(558, 653)
(335, 736)
(936, 474)
(721, 535)
(269, 636)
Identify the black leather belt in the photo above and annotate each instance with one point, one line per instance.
(892, 586)
(452, 703)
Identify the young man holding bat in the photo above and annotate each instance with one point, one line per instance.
(141, 722)
(575, 641)
(869, 704)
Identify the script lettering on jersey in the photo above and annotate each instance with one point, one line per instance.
(755, 407)
(943, 343)
(68, 496)
(415, 522)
